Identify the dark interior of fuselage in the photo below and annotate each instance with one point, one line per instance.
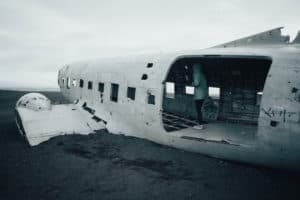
(235, 87)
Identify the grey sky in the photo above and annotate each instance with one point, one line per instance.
(37, 36)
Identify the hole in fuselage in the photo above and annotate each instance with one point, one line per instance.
(144, 77)
(149, 65)
(273, 123)
(234, 86)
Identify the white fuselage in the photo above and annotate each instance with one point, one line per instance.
(142, 117)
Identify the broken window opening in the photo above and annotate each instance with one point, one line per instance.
(151, 98)
(74, 82)
(131, 93)
(189, 90)
(101, 90)
(149, 65)
(170, 89)
(114, 92)
(214, 92)
(259, 97)
(68, 82)
(90, 85)
(101, 87)
(235, 87)
(62, 82)
(81, 83)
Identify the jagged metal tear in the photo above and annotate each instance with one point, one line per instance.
(297, 39)
(270, 37)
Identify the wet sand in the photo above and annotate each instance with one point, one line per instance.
(106, 166)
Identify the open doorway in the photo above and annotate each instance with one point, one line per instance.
(235, 87)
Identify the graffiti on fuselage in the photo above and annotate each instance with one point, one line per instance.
(280, 114)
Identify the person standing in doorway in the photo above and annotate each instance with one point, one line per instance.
(200, 92)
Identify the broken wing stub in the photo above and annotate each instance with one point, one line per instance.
(38, 120)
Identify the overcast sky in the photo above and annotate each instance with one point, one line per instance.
(37, 37)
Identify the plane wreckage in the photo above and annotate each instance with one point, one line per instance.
(253, 108)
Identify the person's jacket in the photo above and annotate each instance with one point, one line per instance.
(199, 82)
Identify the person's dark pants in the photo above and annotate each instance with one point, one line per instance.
(199, 103)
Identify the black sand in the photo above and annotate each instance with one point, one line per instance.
(106, 166)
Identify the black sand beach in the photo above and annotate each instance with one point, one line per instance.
(106, 166)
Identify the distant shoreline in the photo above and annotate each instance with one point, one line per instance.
(29, 89)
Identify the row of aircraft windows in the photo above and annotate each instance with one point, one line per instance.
(113, 93)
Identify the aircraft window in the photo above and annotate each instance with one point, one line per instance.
(149, 65)
(189, 90)
(144, 77)
(90, 85)
(68, 82)
(214, 92)
(74, 83)
(101, 87)
(151, 99)
(114, 92)
(81, 83)
(170, 89)
(101, 90)
(131, 93)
